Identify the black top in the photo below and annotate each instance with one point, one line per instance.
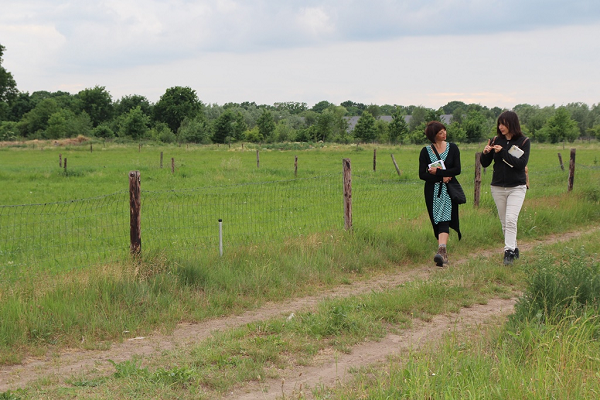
(453, 169)
(509, 171)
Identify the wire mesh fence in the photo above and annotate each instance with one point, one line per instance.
(91, 231)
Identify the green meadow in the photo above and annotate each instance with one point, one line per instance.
(284, 238)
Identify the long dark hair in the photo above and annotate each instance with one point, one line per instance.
(510, 120)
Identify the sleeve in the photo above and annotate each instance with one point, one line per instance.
(424, 161)
(486, 159)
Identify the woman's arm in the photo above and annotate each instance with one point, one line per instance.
(424, 174)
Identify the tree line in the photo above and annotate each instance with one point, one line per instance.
(180, 116)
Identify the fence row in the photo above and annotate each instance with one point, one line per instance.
(105, 229)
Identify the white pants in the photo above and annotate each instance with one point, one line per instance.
(509, 201)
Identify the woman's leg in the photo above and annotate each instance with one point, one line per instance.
(514, 203)
(500, 195)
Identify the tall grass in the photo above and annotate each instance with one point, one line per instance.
(110, 301)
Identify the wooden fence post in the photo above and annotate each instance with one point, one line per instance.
(60, 160)
(91, 150)
(571, 170)
(65, 164)
(374, 160)
(396, 165)
(135, 232)
(347, 194)
(296, 166)
(161, 159)
(561, 162)
(477, 190)
(257, 159)
(173, 165)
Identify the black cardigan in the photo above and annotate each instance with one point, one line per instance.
(509, 171)
(453, 169)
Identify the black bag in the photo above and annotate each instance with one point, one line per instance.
(455, 191)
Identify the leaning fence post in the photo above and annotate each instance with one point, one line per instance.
(477, 190)
(571, 170)
(396, 165)
(135, 205)
(347, 194)
(561, 163)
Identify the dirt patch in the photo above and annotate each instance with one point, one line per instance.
(47, 143)
(331, 368)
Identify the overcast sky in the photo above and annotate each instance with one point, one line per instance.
(420, 52)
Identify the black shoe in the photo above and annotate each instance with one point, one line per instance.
(509, 257)
(516, 253)
(438, 259)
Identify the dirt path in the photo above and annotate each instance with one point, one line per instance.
(329, 369)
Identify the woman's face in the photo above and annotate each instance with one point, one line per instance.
(503, 129)
(441, 136)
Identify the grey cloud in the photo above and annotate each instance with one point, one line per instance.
(101, 33)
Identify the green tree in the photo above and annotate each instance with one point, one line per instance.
(321, 106)
(34, 123)
(374, 110)
(365, 130)
(103, 131)
(474, 126)
(177, 104)
(532, 120)
(455, 132)
(223, 128)
(97, 103)
(292, 107)
(266, 125)
(127, 103)
(382, 129)
(162, 133)
(8, 89)
(195, 130)
(561, 127)
(398, 128)
(135, 124)
(239, 126)
(580, 113)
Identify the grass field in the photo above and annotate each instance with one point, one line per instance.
(53, 307)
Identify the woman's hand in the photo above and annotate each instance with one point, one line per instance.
(489, 148)
(447, 179)
(433, 170)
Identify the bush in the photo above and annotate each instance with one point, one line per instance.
(558, 289)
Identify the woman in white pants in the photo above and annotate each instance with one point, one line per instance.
(509, 150)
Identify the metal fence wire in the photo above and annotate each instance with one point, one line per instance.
(93, 231)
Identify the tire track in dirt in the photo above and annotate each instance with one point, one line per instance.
(58, 366)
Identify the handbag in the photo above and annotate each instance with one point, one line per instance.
(455, 190)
